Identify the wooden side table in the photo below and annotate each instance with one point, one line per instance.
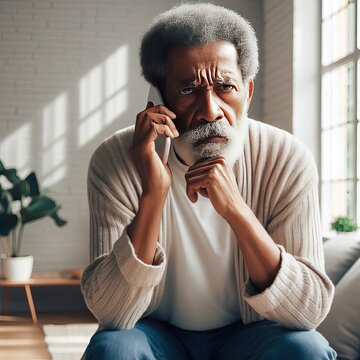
(37, 279)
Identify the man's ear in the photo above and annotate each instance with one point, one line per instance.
(250, 91)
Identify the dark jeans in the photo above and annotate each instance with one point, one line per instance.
(156, 340)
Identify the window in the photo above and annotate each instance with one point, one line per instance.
(340, 110)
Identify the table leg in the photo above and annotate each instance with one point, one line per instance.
(31, 304)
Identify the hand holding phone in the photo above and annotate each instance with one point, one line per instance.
(162, 143)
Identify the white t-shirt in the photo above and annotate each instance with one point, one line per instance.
(200, 286)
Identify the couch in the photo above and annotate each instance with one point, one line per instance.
(342, 325)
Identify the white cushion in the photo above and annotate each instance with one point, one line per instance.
(342, 326)
(340, 254)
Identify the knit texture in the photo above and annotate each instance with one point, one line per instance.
(278, 180)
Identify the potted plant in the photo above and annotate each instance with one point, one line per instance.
(344, 224)
(21, 202)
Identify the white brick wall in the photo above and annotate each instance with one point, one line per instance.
(47, 50)
(278, 63)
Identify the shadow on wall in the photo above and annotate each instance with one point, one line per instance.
(57, 141)
(102, 98)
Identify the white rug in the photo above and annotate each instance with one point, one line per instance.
(68, 342)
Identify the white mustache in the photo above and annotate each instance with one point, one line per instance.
(219, 128)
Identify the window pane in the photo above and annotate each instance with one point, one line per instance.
(358, 151)
(337, 103)
(358, 87)
(338, 35)
(358, 204)
(331, 6)
(336, 200)
(337, 153)
(358, 25)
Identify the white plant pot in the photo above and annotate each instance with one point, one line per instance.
(354, 235)
(17, 268)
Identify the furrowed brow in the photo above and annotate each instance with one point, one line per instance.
(193, 83)
(189, 83)
(223, 79)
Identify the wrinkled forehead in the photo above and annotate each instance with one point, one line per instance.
(213, 61)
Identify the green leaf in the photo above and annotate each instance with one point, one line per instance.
(57, 219)
(18, 190)
(31, 179)
(7, 223)
(10, 174)
(39, 207)
(27, 187)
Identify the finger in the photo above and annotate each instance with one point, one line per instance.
(158, 109)
(147, 116)
(193, 188)
(196, 178)
(145, 121)
(160, 129)
(148, 131)
(172, 126)
(192, 194)
(208, 161)
(204, 192)
(162, 109)
(201, 170)
(152, 134)
(166, 120)
(211, 171)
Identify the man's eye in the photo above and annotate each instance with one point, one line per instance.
(187, 91)
(226, 87)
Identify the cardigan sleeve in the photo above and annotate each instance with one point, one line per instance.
(301, 294)
(116, 285)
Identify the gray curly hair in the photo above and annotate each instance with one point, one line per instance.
(196, 25)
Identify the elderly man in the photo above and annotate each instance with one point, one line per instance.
(216, 254)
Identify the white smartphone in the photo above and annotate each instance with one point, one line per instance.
(162, 143)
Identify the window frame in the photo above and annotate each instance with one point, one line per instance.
(354, 58)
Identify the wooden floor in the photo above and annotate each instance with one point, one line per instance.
(21, 339)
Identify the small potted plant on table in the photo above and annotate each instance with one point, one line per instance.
(343, 224)
(21, 202)
(345, 228)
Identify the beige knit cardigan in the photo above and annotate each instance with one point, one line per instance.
(278, 180)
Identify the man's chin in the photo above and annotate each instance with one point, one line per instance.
(189, 155)
(210, 150)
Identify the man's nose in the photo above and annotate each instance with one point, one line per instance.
(208, 110)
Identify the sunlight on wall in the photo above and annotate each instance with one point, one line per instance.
(15, 149)
(102, 95)
(90, 127)
(90, 91)
(115, 106)
(116, 71)
(54, 126)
